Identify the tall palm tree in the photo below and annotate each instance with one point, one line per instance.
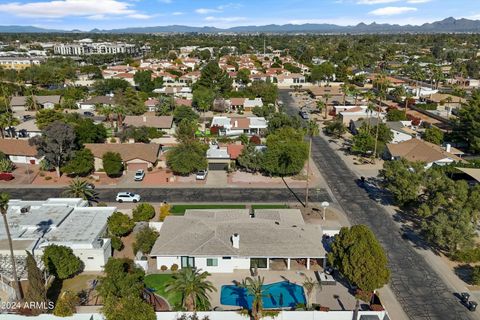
(31, 103)
(311, 131)
(106, 111)
(254, 287)
(4, 198)
(346, 91)
(7, 121)
(194, 286)
(327, 97)
(320, 106)
(79, 188)
(408, 97)
(120, 111)
(309, 284)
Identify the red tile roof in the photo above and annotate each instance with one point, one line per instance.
(235, 150)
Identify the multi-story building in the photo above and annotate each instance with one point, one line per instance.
(87, 47)
(18, 63)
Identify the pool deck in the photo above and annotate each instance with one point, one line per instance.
(334, 297)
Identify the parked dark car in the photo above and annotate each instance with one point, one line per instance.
(88, 114)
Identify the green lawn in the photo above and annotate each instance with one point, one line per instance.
(158, 283)
(270, 206)
(179, 209)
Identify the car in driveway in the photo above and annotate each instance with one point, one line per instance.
(127, 197)
(304, 115)
(202, 175)
(88, 114)
(139, 175)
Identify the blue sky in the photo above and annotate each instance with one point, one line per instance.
(105, 14)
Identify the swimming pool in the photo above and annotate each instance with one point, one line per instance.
(276, 295)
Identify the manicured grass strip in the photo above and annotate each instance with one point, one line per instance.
(270, 206)
(158, 282)
(179, 209)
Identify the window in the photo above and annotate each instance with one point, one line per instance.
(212, 262)
(260, 263)
(188, 262)
(90, 258)
(227, 258)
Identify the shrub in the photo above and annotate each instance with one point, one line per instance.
(120, 224)
(255, 140)
(6, 165)
(112, 164)
(144, 240)
(65, 306)
(143, 212)
(149, 169)
(174, 267)
(467, 255)
(164, 211)
(476, 275)
(164, 268)
(117, 243)
(48, 178)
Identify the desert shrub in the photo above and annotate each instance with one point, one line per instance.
(65, 306)
(174, 267)
(120, 224)
(467, 255)
(164, 211)
(143, 212)
(476, 275)
(164, 268)
(117, 243)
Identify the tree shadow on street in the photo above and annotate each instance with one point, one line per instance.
(293, 192)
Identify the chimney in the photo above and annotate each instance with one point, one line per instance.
(144, 119)
(236, 124)
(236, 241)
(448, 148)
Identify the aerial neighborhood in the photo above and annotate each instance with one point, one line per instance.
(229, 175)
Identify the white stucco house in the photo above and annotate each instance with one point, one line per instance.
(221, 241)
(19, 151)
(235, 126)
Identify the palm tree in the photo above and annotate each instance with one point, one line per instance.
(408, 97)
(79, 188)
(31, 103)
(194, 287)
(4, 198)
(327, 97)
(105, 110)
(7, 121)
(320, 106)
(254, 287)
(120, 111)
(346, 91)
(311, 131)
(309, 284)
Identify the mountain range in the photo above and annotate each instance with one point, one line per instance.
(448, 25)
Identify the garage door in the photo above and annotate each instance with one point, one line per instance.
(217, 166)
(136, 166)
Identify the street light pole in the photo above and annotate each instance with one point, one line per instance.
(324, 205)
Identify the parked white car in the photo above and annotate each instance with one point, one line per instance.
(202, 174)
(139, 175)
(127, 197)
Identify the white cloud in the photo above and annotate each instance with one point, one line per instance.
(225, 19)
(374, 2)
(139, 16)
(391, 11)
(177, 13)
(65, 8)
(206, 11)
(418, 1)
(165, 1)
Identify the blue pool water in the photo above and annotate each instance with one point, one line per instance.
(276, 295)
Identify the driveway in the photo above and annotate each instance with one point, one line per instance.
(420, 291)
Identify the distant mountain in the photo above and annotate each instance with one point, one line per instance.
(449, 25)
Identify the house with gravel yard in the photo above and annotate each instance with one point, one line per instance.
(19, 151)
(225, 240)
(236, 126)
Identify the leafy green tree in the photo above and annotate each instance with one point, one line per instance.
(286, 152)
(264, 111)
(143, 212)
(89, 132)
(130, 101)
(184, 113)
(103, 87)
(360, 258)
(144, 240)
(112, 164)
(187, 157)
(243, 76)
(66, 304)
(267, 91)
(185, 131)
(81, 164)
(468, 125)
(203, 98)
(81, 189)
(120, 224)
(165, 106)
(7, 120)
(6, 165)
(281, 120)
(325, 71)
(363, 142)
(335, 128)
(194, 287)
(36, 283)
(143, 80)
(251, 159)
(61, 262)
(128, 308)
(45, 117)
(57, 144)
(404, 180)
(214, 78)
(396, 115)
(433, 135)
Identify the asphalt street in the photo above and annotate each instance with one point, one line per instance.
(194, 195)
(420, 291)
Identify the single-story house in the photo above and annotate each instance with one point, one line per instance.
(222, 241)
(163, 123)
(218, 157)
(91, 103)
(400, 132)
(19, 103)
(134, 155)
(151, 104)
(416, 150)
(27, 129)
(354, 113)
(19, 151)
(236, 126)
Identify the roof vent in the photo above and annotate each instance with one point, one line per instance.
(236, 241)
